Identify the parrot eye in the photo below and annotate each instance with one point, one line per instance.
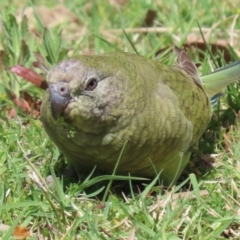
(92, 84)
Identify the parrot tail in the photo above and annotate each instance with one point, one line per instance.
(216, 81)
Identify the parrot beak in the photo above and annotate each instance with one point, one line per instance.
(59, 98)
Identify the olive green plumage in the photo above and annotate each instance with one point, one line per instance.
(96, 103)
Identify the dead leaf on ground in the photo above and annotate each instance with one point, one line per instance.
(50, 17)
(21, 232)
(40, 63)
(117, 3)
(30, 75)
(215, 48)
(24, 102)
(149, 18)
(202, 49)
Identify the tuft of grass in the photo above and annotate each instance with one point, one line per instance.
(204, 205)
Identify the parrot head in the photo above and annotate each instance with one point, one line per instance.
(86, 93)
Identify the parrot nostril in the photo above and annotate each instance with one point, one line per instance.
(60, 88)
(63, 89)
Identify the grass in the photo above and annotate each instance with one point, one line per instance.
(204, 205)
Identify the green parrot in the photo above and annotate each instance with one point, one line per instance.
(98, 105)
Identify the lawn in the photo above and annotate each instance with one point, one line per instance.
(36, 202)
